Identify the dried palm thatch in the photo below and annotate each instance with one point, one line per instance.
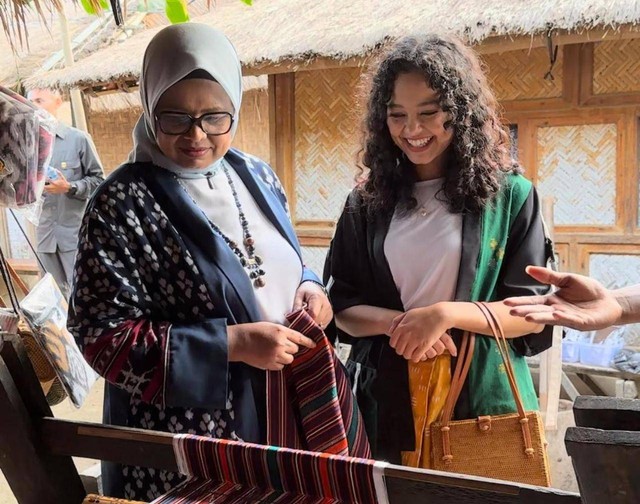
(341, 29)
(14, 15)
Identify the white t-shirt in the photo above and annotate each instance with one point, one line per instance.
(423, 249)
(281, 263)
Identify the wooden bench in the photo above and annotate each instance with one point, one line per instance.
(40, 469)
(605, 449)
(627, 384)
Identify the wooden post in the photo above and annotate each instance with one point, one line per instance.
(551, 360)
(282, 131)
(34, 475)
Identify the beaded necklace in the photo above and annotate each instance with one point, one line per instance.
(250, 261)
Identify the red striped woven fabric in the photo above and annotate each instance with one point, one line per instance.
(310, 405)
(230, 472)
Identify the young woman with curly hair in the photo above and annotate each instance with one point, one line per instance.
(442, 217)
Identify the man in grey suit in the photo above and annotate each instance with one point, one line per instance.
(75, 172)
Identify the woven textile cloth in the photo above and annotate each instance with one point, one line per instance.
(230, 472)
(310, 405)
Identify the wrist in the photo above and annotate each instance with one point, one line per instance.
(72, 188)
(625, 305)
(318, 284)
(446, 313)
(235, 344)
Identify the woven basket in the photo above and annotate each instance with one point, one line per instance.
(51, 385)
(99, 499)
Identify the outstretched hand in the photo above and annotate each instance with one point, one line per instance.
(580, 302)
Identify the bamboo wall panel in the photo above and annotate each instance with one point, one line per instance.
(615, 271)
(111, 130)
(577, 166)
(252, 135)
(314, 258)
(616, 66)
(111, 133)
(326, 142)
(517, 75)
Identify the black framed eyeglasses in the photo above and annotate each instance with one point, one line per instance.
(176, 123)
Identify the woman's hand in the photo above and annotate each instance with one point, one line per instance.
(580, 302)
(312, 297)
(265, 345)
(421, 333)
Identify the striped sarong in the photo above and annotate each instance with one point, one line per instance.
(310, 405)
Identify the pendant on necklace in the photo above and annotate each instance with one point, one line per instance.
(423, 211)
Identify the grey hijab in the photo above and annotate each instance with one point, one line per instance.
(174, 53)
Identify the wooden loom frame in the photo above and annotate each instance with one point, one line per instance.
(36, 451)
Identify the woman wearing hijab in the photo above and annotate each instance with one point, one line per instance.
(188, 263)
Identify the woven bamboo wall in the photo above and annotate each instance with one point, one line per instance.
(517, 75)
(111, 131)
(615, 271)
(577, 165)
(326, 141)
(252, 135)
(616, 66)
(314, 258)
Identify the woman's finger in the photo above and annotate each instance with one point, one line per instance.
(521, 311)
(396, 322)
(526, 300)
(449, 344)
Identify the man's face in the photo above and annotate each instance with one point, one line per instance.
(45, 99)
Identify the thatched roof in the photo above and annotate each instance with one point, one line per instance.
(22, 60)
(115, 102)
(275, 30)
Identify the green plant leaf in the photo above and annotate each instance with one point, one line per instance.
(177, 11)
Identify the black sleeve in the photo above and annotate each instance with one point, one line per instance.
(346, 269)
(347, 265)
(527, 245)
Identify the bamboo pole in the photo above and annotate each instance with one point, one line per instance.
(79, 119)
(551, 360)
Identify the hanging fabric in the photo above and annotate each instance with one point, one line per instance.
(310, 405)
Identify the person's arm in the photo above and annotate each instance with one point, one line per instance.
(415, 332)
(92, 171)
(364, 320)
(580, 302)
(348, 277)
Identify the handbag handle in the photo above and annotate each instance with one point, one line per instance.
(465, 356)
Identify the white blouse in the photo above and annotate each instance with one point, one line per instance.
(281, 263)
(423, 249)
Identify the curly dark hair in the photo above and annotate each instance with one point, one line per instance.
(480, 150)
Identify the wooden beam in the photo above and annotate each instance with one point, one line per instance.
(571, 73)
(608, 413)
(282, 131)
(405, 485)
(627, 172)
(306, 64)
(106, 442)
(586, 73)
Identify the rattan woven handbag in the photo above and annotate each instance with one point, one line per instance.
(509, 447)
